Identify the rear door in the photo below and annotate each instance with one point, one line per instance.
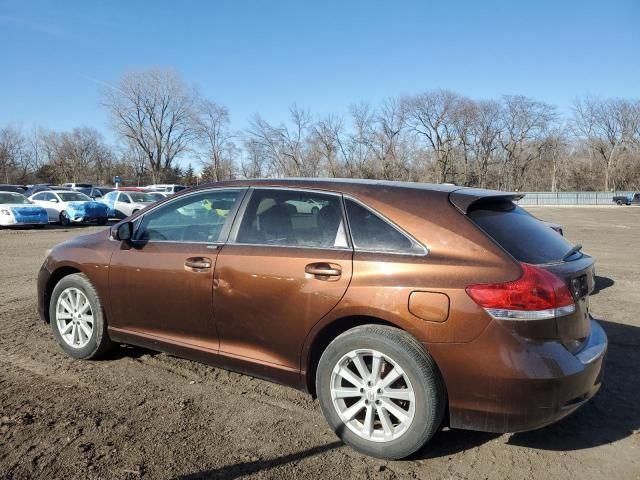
(282, 270)
(530, 241)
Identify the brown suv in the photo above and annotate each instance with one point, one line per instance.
(399, 305)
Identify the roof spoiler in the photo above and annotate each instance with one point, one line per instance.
(464, 198)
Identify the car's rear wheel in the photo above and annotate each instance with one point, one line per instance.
(64, 219)
(380, 391)
(77, 318)
(102, 221)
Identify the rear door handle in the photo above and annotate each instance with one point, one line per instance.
(198, 264)
(323, 269)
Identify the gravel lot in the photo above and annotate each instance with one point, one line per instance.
(140, 414)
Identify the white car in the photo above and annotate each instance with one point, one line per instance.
(16, 209)
(68, 206)
(165, 187)
(122, 203)
(307, 205)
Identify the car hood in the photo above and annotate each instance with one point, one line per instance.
(85, 205)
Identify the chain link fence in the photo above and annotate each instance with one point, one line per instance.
(570, 198)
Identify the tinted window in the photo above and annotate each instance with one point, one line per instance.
(124, 198)
(371, 232)
(195, 218)
(525, 237)
(277, 217)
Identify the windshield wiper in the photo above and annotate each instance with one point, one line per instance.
(575, 249)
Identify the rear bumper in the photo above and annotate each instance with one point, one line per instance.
(500, 383)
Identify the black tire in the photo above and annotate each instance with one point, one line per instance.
(420, 369)
(102, 221)
(99, 342)
(65, 221)
(619, 202)
(315, 210)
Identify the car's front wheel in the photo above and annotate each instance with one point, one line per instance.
(77, 318)
(380, 391)
(64, 219)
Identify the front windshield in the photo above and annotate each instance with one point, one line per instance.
(16, 198)
(141, 197)
(156, 196)
(73, 197)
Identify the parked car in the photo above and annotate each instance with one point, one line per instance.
(16, 209)
(13, 188)
(67, 206)
(76, 186)
(33, 189)
(306, 205)
(397, 304)
(632, 198)
(168, 188)
(123, 203)
(95, 192)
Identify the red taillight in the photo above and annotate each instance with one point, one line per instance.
(537, 294)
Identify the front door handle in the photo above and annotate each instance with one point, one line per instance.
(323, 269)
(198, 264)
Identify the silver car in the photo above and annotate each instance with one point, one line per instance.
(124, 203)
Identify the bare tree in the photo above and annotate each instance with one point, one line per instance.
(212, 130)
(12, 151)
(154, 109)
(430, 115)
(608, 126)
(523, 121)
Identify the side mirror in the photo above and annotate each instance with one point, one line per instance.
(123, 232)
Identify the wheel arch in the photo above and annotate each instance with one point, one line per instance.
(57, 275)
(325, 336)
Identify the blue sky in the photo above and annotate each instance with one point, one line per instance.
(261, 56)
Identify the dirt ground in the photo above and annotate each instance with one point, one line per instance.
(140, 414)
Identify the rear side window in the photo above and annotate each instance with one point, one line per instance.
(522, 235)
(369, 231)
(293, 218)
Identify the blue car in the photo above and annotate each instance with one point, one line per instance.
(16, 210)
(69, 207)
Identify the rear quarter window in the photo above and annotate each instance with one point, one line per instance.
(522, 235)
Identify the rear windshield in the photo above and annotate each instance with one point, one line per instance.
(525, 237)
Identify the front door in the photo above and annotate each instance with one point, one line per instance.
(283, 269)
(161, 282)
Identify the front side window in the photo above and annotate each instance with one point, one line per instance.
(124, 198)
(370, 231)
(195, 218)
(286, 218)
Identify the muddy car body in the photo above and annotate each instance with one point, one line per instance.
(397, 304)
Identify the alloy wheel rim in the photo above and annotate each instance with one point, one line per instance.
(74, 317)
(372, 395)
